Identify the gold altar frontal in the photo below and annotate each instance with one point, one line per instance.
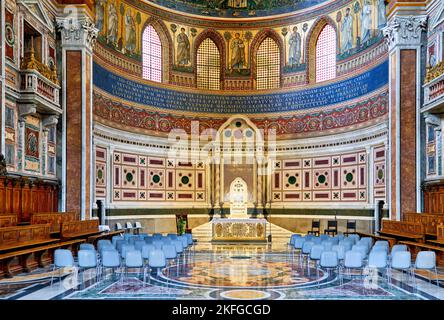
(242, 230)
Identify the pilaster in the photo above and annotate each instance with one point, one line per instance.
(78, 37)
(405, 34)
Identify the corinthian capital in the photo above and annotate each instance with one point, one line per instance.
(405, 30)
(77, 30)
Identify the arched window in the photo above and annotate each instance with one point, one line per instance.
(152, 55)
(326, 54)
(208, 65)
(268, 65)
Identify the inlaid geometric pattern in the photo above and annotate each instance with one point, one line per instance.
(100, 172)
(339, 178)
(146, 178)
(379, 156)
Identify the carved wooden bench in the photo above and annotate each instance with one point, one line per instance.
(38, 252)
(76, 229)
(402, 230)
(55, 219)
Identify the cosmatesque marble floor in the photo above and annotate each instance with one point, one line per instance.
(237, 271)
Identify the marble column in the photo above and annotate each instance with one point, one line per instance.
(405, 36)
(47, 122)
(78, 36)
(217, 209)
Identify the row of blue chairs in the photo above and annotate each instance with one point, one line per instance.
(352, 252)
(124, 252)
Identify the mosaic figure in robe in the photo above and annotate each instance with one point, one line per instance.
(130, 32)
(366, 22)
(237, 52)
(112, 23)
(295, 47)
(183, 48)
(382, 19)
(99, 15)
(347, 32)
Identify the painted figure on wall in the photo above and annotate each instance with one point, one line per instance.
(347, 32)
(382, 19)
(113, 21)
(366, 22)
(237, 52)
(183, 48)
(295, 47)
(99, 15)
(130, 32)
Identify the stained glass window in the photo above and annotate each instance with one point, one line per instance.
(208, 65)
(326, 54)
(268, 65)
(152, 55)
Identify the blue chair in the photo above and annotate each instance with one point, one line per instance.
(184, 240)
(139, 244)
(120, 243)
(133, 259)
(149, 240)
(324, 237)
(340, 251)
(114, 240)
(378, 259)
(189, 238)
(401, 261)
(87, 259)
(316, 240)
(329, 260)
(353, 260)
(328, 245)
(158, 244)
(172, 236)
(110, 260)
(380, 248)
(348, 245)
(87, 246)
(426, 260)
(306, 249)
(398, 247)
(383, 243)
(125, 249)
(179, 246)
(361, 248)
(157, 236)
(62, 259)
(101, 243)
(298, 243)
(146, 249)
(157, 261)
(354, 237)
(315, 253)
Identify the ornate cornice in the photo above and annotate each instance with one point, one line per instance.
(77, 31)
(405, 31)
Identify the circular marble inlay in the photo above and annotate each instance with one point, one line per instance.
(321, 178)
(185, 180)
(245, 294)
(100, 174)
(292, 180)
(380, 174)
(156, 178)
(349, 177)
(129, 177)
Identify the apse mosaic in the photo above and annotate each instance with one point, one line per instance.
(121, 24)
(146, 178)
